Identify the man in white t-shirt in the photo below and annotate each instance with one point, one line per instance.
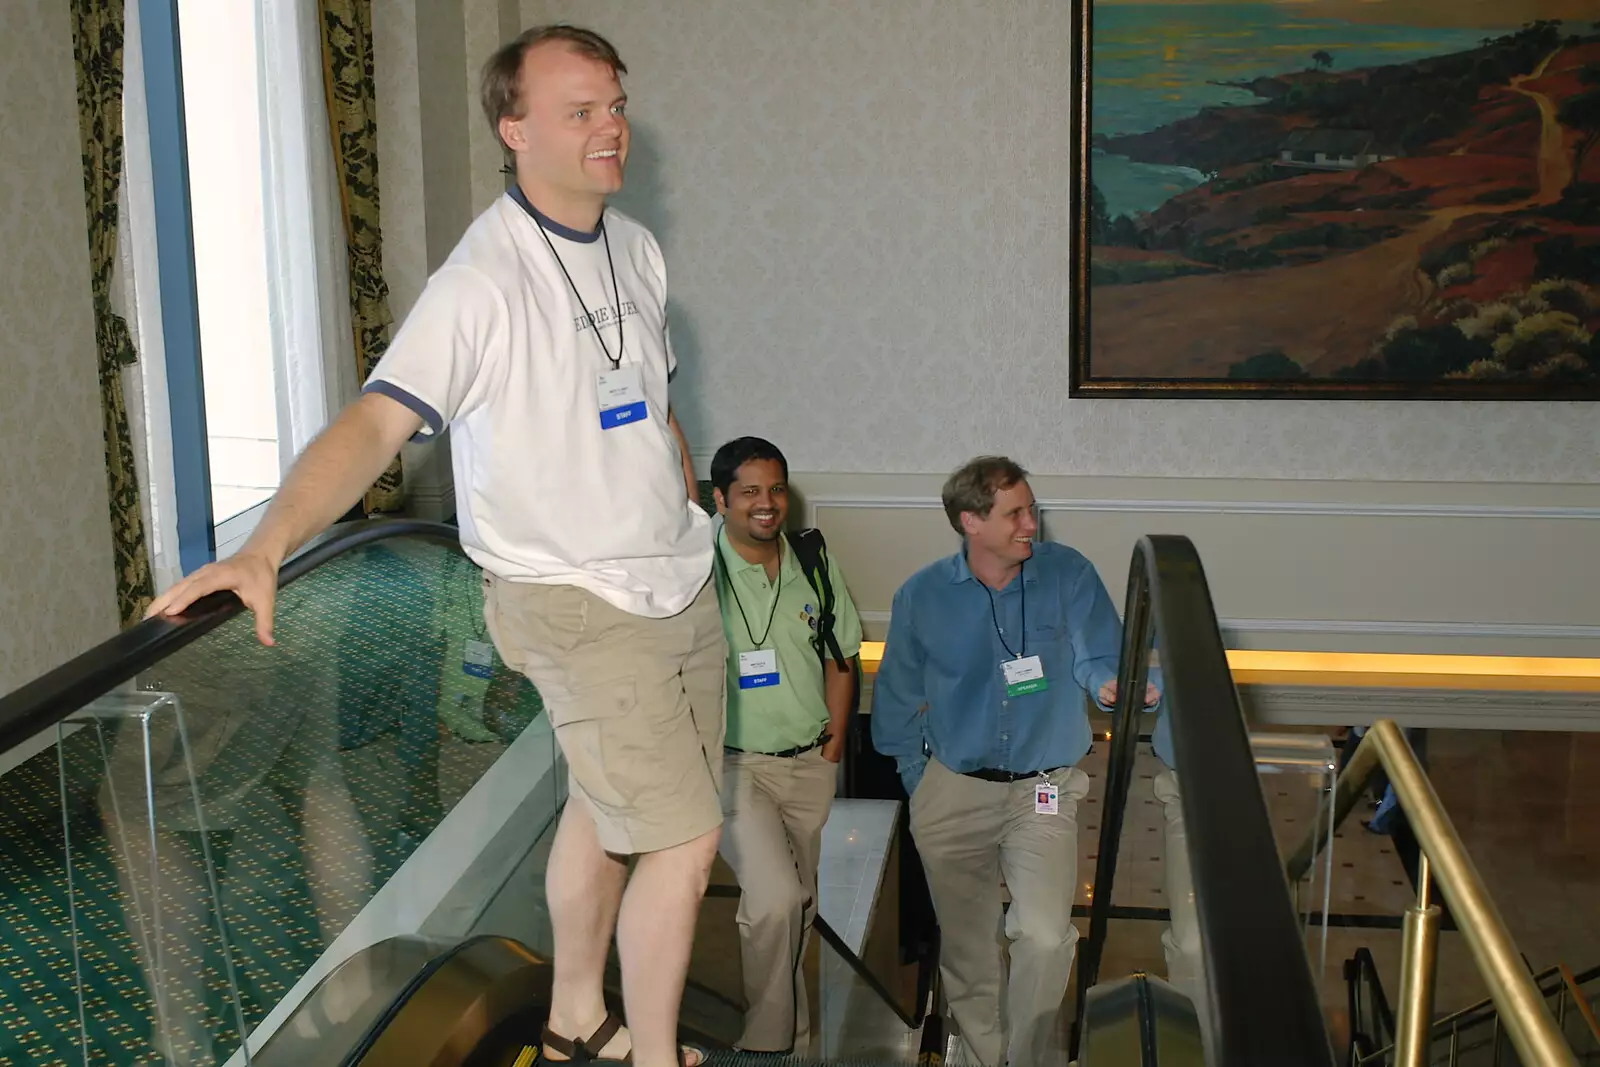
(542, 341)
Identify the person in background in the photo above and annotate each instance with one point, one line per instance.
(793, 634)
(980, 701)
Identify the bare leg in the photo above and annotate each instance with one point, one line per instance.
(654, 936)
(583, 887)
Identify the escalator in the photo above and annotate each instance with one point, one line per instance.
(200, 831)
(334, 846)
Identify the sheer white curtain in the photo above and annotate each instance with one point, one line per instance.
(307, 271)
(307, 276)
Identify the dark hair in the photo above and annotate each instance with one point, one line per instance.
(973, 486)
(736, 453)
(501, 84)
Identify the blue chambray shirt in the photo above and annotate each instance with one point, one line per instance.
(943, 654)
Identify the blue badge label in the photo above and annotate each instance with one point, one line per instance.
(757, 681)
(611, 418)
(621, 394)
(758, 669)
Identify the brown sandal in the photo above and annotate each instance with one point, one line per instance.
(587, 1050)
(581, 1050)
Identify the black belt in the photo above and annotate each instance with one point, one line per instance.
(989, 774)
(788, 753)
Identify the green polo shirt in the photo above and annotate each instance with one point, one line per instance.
(792, 713)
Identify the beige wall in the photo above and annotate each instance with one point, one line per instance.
(863, 206)
(56, 589)
(1347, 566)
(438, 166)
(864, 211)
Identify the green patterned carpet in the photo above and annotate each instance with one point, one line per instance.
(321, 764)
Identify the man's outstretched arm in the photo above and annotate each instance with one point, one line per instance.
(327, 479)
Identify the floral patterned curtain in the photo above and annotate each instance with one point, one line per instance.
(352, 119)
(97, 27)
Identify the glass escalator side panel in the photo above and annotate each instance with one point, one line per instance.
(213, 837)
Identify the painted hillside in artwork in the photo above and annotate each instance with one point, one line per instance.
(1379, 191)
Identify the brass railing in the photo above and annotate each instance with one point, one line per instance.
(1526, 1017)
(1558, 983)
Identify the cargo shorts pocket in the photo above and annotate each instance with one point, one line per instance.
(598, 702)
(548, 619)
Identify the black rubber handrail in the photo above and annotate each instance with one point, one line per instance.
(1361, 973)
(369, 1037)
(48, 699)
(1261, 1004)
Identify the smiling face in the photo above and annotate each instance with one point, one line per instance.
(570, 135)
(756, 504)
(1006, 534)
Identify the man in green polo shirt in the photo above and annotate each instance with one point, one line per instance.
(788, 708)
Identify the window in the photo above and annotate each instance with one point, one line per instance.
(250, 252)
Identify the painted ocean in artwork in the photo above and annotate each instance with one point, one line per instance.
(1156, 63)
(1278, 193)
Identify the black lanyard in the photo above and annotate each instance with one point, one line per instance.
(1022, 592)
(605, 235)
(776, 592)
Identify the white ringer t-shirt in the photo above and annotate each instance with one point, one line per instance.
(499, 349)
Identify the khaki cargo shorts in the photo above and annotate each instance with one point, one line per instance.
(637, 705)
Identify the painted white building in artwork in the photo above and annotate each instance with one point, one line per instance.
(1323, 149)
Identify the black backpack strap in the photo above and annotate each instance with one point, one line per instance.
(811, 551)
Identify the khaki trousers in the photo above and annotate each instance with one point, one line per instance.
(773, 812)
(970, 833)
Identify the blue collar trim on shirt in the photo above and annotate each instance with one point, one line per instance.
(516, 193)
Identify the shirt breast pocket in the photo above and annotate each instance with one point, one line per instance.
(1043, 636)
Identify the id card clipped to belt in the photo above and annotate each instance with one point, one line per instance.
(1046, 798)
(758, 669)
(1025, 674)
(621, 394)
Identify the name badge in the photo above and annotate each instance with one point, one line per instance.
(478, 660)
(1046, 799)
(1025, 675)
(758, 669)
(621, 397)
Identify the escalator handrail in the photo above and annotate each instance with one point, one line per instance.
(1262, 1004)
(363, 1045)
(45, 701)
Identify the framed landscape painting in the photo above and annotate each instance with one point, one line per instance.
(1337, 198)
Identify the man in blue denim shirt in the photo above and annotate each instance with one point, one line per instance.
(980, 701)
